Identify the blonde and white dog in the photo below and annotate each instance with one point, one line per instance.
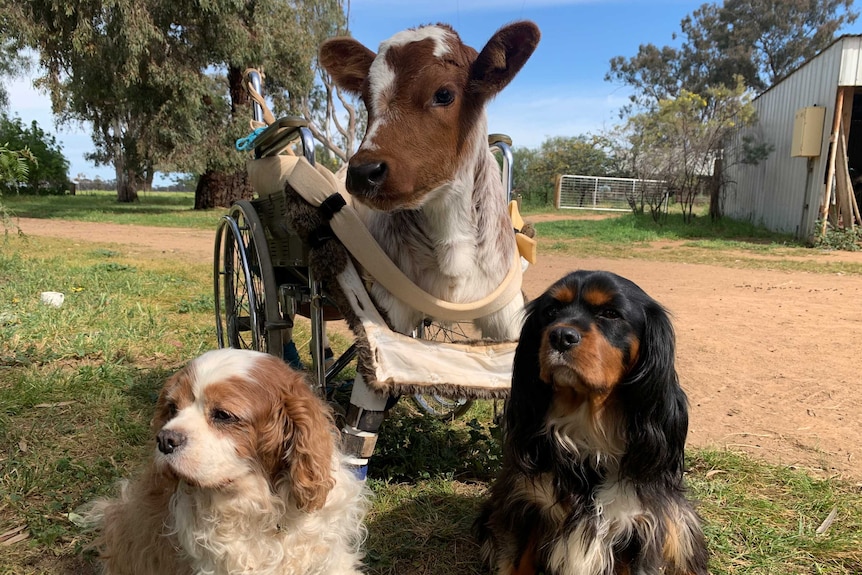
(246, 477)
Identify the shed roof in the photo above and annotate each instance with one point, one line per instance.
(841, 38)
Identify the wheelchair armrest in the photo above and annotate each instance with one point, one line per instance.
(494, 138)
(280, 134)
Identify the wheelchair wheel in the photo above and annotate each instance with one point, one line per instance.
(446, 408)
(246, 298)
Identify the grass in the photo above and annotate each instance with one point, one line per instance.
(168, 209)
(78, 383)
(725, 243)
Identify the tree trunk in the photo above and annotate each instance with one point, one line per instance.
(149, 173)
(239, 97)
(221, 189)
(715, 191)
(127, 191)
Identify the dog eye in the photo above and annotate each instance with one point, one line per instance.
(222, 416)
(172, 409)
(608, 313)
(443, 97)
(550, 312)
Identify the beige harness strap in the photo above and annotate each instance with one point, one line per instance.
(268, 118)
(315, 185)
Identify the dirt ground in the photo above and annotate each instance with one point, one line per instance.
(770, 359)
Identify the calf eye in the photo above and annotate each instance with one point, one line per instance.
(443, 97)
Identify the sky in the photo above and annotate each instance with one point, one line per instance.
(561, 91)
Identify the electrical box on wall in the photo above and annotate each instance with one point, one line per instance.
(808, 132)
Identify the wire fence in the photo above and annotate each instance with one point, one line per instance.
(609, 194)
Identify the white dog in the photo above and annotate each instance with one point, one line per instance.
(246, 477)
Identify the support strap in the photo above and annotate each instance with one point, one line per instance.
(268, 118)
(315, 185)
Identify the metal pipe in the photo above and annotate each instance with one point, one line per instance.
(256, 83)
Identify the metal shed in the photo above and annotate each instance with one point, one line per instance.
(802, 116)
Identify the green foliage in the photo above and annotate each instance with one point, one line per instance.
(535, 170)
(761, 41)
(839, 239)
(14, 166)
(160, 82)
(12, 61)
(47, 167)
(413, 446)
(679, 140)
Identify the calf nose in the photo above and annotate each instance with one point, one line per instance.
(366, 178)
(170, 441)
(564, 338)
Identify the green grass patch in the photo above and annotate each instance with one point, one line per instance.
(759, 520)
(78, 385)
(168, 209)
(725, 243)
(630, 228)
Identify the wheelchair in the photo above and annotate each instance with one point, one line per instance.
(264, 275)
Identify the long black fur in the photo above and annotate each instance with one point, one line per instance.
(516, 533)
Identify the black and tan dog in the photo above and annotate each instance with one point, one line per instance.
(595, 428)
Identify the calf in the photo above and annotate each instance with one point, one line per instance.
(432, 188)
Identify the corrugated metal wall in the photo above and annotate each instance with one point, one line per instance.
(780, 192)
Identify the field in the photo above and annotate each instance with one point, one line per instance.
(769, 334)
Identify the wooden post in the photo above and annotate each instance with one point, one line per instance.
(843, 187)
(833, 150)
(558, 190)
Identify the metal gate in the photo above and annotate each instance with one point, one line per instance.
(610, 194)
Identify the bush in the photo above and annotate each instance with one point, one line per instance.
(49, 174)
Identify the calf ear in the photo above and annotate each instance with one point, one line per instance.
(502, 58)
(347, 61)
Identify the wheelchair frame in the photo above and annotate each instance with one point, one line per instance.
(262, 277)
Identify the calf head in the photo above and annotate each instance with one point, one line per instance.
(425, 93)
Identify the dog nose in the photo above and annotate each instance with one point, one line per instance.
(366, 178)
(169, 441)
(564, 338)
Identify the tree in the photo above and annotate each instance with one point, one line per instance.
(536, 170)
(14, 166)
(337, 120)
(161, 82)
(339, 133)
(760, 40)
(681, 141)
(12, 61)
(48, 173)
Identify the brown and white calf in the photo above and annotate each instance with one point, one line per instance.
(436, 202)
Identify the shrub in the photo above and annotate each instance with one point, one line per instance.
(49, 174)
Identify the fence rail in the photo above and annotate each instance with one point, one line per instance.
(609, 194)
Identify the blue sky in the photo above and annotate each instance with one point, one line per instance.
(560, 92)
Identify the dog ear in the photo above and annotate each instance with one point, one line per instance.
(347, 61)
(307, 450)
(502, 58)
(656, 404)
(529, 399)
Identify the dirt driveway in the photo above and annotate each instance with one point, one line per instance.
(771, 360)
